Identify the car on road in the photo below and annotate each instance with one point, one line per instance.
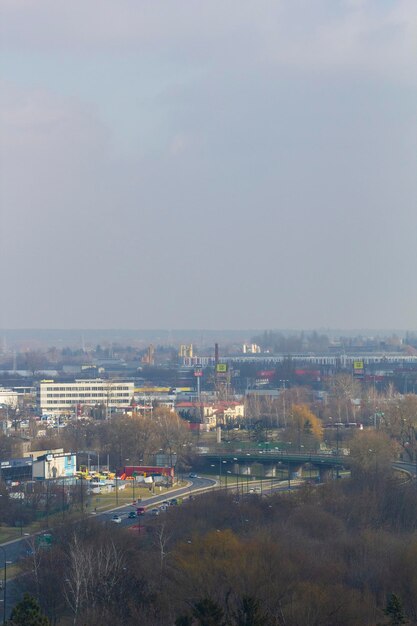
(140, 510)
(192, 475)
(116, 519)
(154, 511)
(173, 502)
(132, 515)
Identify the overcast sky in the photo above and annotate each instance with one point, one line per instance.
(212, 164)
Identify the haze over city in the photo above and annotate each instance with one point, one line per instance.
(208, 165)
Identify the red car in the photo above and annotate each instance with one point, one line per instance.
(140, 510)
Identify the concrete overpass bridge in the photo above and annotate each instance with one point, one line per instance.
(270, 463)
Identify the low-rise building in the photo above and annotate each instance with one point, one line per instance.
(8, 397)
(211, 414)
(54, 465)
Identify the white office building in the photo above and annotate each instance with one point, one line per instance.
(67, 397)
(8, 397)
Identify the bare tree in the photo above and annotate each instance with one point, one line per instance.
(93, 575)
(162, 537)
(78, 577)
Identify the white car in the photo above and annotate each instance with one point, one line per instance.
(116, 519)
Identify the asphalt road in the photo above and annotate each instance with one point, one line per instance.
(195, 484)
(18, 548)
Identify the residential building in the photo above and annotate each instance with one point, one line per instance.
(211, 414)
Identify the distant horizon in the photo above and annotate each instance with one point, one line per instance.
(33, 338)
(207, 330)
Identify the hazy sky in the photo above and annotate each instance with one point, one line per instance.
(212, 164)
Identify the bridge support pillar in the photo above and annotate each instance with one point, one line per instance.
(297, 471)
(271, 472)
(325, 474)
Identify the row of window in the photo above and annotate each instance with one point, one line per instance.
(88, 395)
(105, 388)
(123, 402)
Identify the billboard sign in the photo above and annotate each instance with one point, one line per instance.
(358, 368)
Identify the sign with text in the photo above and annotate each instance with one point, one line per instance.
(358, 367)
(221, 368)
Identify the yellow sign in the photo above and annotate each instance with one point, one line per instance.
(358, 365)
(152, 389)
(221, 368)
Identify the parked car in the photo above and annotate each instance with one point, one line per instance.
(116, 519)
(173, 502)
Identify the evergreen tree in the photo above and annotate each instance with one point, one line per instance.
(27, 612)
(394, 610)
(208, 613)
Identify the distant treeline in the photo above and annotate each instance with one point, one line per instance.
(275, 341)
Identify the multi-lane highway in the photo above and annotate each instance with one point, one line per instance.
(195, 485)
(17, 549)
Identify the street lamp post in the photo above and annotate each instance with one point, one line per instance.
(337, 450)
(213, 466)
(134, 474)
(416, 466)
(4, 583)
(238, 472)
(223, 463)
(81, 494)
(227, 472)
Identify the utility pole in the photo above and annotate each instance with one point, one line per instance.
(337, 450)
(82, 494)
(284, 407)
